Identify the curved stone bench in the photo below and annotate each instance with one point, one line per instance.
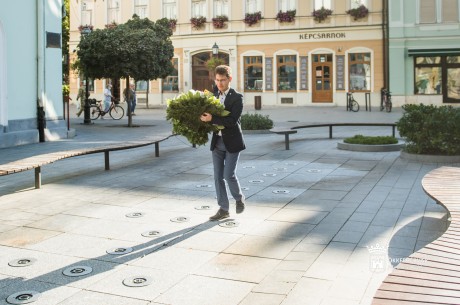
(36, 162)
(435, 279)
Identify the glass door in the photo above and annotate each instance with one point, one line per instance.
(322, 78)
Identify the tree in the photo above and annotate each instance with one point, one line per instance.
(65, 47)
(140, 48)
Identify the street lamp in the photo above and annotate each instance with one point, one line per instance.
(215, 49)
(87, 117)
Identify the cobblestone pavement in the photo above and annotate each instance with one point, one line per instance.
(312, 214)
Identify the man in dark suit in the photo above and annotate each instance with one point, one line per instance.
(226, 144)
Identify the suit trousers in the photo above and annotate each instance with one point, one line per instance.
(225, 164)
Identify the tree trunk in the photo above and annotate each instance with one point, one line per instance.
(130, 118)
(147, 94)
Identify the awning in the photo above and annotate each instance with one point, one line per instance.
(433, 52)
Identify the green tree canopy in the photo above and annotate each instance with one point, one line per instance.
(140, 48)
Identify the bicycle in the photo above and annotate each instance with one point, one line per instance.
(385, 101)
(115, 110)
(352, 104)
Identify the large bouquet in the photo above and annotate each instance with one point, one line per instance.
(184, 112)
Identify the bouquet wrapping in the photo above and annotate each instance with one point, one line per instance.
(184, 113)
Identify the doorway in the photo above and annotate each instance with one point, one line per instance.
(322, 78)
(202, 77)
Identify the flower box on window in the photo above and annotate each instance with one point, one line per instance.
(198, 22)
(111, 25)
(219, 21)
(359, 12)
(321, 14)
(87, 26)
(288, 16)
(172, 24)
(252, 18)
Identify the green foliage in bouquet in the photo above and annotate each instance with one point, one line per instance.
(184, 112)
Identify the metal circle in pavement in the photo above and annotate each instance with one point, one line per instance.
(77, 271)
(119, 251)
(152, 233)
(256, 181)
(279, 169)
(245, 188)
(203, 185)
(269, 175)
(23, 297)
(22, 262)
(180, 219)
(314, 170)
(203, 207)
(137, 281)
(229, 224)
(280, 192)
(249, 166)
(135, 215)
(291, 163)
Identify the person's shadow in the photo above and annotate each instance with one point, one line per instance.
(56, 277)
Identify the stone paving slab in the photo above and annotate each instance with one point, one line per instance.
(308, 245)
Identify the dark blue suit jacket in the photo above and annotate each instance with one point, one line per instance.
(231, 134)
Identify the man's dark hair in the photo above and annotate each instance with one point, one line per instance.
(224, 70)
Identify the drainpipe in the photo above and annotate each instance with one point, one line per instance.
(385, 45)
(41, 116)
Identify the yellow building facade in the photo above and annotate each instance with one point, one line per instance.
(277, 49)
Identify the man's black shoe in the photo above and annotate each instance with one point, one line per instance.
(239, 207)
(221, 214)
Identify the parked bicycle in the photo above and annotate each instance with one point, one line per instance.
(385, 100)
(115, 110)
(352, 104)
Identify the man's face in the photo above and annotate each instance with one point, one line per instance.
(222, 82)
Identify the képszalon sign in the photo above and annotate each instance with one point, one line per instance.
(321, 36)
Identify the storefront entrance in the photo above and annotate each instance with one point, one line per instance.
(322, 78)
(202, 75)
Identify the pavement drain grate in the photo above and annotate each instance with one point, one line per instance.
(135, 215)
(137, 281)
(203, 185)
(119, 251)
(203, 207)
(77, 271)
(229, 224)
(180, 219)
(280, 192)
(314, 170)
(269, 175)
(22, 262)
(23, 297)
(152, 233)
(256, 181)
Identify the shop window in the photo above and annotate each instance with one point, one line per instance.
(220, 8)
(113, 11)
(253, 73)
(169, 9)
(359, 71)
(358, 3)
(141, 8)
(287, 72)
(141, 85)
(171, 83)
(428, 75)
(253, 6)
(198, 8)
(86, 12)
(286, 5)
(323, 3)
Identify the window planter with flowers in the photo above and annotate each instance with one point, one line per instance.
(359, 12)
(87, 26)
(219, 22)
(198, 22)
(321, 14)
(252, 18)
(111, 25)
(172, 24)
(288, 16)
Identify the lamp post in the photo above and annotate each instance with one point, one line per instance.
(87, 119)
(215, 49)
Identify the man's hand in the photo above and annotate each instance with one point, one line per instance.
(206, 117)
